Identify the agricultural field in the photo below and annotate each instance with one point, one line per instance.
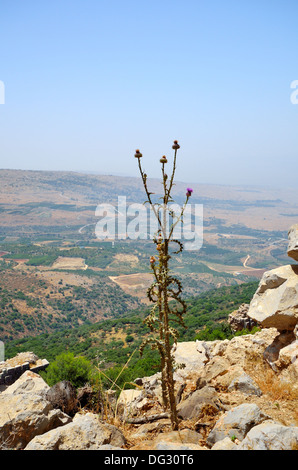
(55, 273)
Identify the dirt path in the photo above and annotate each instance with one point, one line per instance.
(245, 261)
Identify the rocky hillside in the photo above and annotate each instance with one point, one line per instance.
(238, 394)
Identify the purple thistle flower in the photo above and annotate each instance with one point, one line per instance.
(188, 192)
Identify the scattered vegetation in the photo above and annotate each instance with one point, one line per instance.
(104, 342)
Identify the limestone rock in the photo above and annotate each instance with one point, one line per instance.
(287, 364)
(246, 385)
(293, 242)
(127, 402)
(288, 355)
(29, 382)
(220, 361)
(24, 416)
(162, 445)
(22, 358)
(236, 422)
(151, 385)
(151, 428)
(275, 303)
(224, 444)
(272, 352)
(63, 396)
(190, 356)
(85, 432)
(239, 320)
(230, 364)
(185, 439)
(86, 395)
(182, 437)
(192, 406)
(270, 436)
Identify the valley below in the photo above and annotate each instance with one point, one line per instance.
(55, 272)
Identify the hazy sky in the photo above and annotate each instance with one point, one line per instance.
(89, 81)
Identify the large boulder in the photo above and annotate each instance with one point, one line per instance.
(245, 384)
(25, 412)
(293, 242)
(270, 436)
(85, 432)
(275, 303)
(29, 382)
(236, 423)
(24, 416)
(239, 320)
(190, 357)
(193, 405)
(228, 358)
(63, 396)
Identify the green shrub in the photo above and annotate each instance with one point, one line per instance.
(66, 366)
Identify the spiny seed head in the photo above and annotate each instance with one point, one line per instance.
(138, 154)
(176, 146)
(163, 159)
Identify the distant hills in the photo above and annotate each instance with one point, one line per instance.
(56, 274)
(57, 198)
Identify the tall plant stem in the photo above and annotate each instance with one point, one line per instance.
(162, 290)
(168, 355)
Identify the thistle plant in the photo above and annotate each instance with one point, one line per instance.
(165, 292)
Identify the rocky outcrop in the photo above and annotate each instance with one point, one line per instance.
(196, 402)
(221, 362)
(208, 371)
(25, 413)
(84, 432)
(29, 421)
(236, 423)
(12, 369)
(293, 242)
(275, 303)
(270, 436)
(29, 382)
(239, 320)
(209, 418)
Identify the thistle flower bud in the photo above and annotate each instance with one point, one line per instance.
(188, 192)
(163, 159)
(138, 154)
(152, 260)
(176, 146)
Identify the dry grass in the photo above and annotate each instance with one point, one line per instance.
(281, 394)
(271, 385)
(269, 381)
